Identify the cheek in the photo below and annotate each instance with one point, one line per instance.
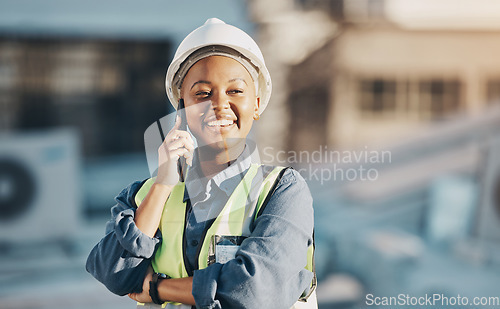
(248, 109)
(195, 110)
(193, 121)
(193, 116)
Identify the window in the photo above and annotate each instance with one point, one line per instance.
(334, 7)
(309, 109)
(439, 98)
(416, 99)
(377, 96)
(493, 91)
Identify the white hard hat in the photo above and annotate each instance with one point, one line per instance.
(215, 32)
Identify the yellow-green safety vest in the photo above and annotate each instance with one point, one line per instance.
(234, 218)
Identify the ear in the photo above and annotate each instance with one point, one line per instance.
(256, 109)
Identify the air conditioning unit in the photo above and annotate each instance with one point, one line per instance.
(40, 193)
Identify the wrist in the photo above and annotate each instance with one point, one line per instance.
(160, 186)
(165, 181)
(153, 287)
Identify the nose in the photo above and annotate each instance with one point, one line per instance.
(220, 100)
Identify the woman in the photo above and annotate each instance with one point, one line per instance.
(235, 233)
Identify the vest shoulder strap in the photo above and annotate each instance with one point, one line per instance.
(143, 191)
(269, 185)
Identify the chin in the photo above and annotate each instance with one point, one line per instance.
(226, 143)
(230, 143)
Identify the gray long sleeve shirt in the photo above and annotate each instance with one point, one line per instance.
(268, 271)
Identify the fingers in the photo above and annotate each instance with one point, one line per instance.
(133, 296)
(179, 152)
(179, 143)
(172, 144)
(189, 157)
(176, 134)
(182, 152)
(140, 297)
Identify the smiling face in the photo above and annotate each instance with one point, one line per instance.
(220, 100)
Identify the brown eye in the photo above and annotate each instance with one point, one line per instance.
(202, 94)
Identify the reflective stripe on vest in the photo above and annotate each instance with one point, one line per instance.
(233, 220)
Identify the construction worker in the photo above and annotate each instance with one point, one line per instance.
(230, 232)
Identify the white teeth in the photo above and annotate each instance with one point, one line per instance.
(221, 122)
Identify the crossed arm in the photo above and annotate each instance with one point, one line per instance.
(176, 290)
(147, 220)
(268, 270)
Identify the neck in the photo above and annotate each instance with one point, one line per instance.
(214, 160)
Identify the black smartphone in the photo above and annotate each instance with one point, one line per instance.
(181, 164)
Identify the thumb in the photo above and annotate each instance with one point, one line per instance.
(177, 124)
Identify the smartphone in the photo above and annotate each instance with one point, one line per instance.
(181, 163)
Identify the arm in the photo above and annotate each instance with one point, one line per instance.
(148, 215)
(268, 271)
(121, 258)
(177, 143)
(176, 290)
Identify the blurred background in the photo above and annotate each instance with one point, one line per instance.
(81, 81)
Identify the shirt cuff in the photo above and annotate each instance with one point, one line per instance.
(205, 287)
(131, 238)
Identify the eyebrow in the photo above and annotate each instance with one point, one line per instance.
(201, 82)
(238, 78)
(209, 83)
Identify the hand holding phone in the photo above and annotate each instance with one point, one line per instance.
(176, 151)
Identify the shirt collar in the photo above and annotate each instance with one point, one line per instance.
(226, 180)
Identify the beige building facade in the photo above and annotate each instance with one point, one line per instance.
(388, 82)
(377, 71)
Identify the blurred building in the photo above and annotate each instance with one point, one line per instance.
(110, 89)
(352, 73)
(98, 68)
(416, 78)
(80, 82)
